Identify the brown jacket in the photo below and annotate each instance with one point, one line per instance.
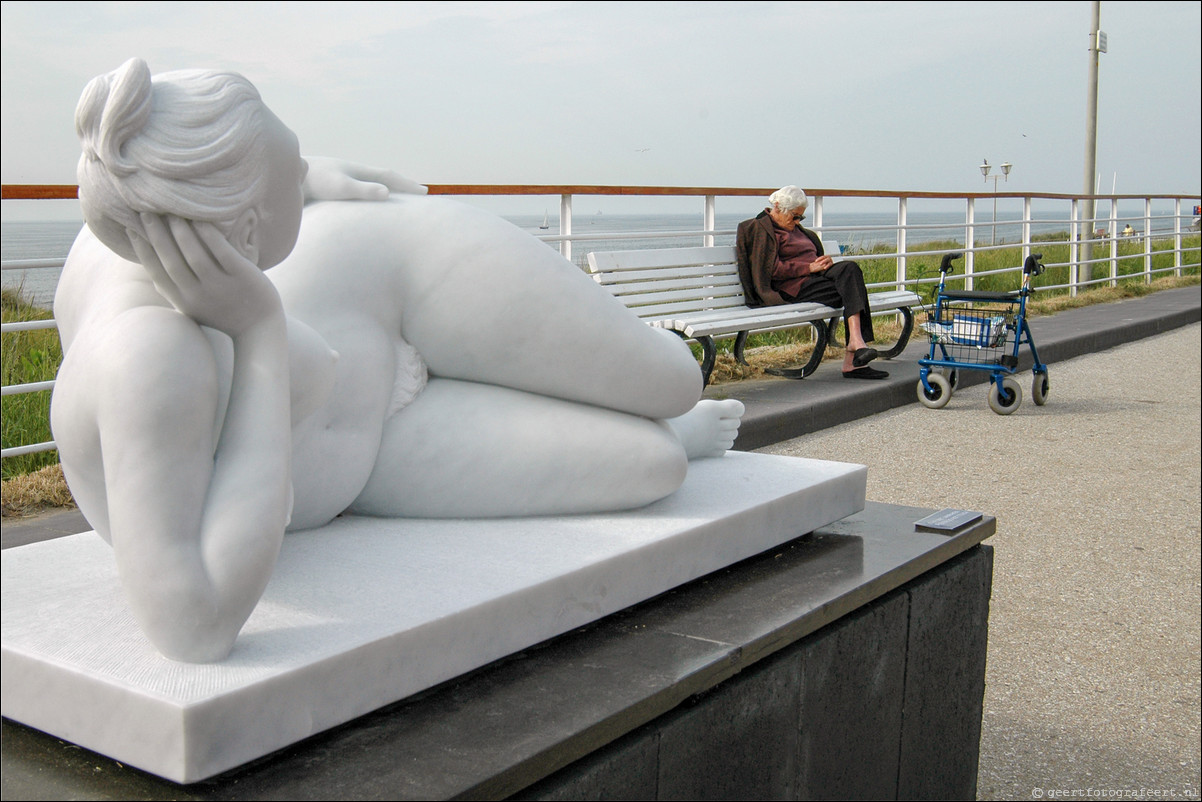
(755, 246)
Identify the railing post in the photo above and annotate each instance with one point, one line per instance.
(970, 237)
(1074, 248)
(1148, 240)
(1177, 237)
(708, 217)
(901, 243)
(565, 226)
(1026, 250)
(1112, 231)
(818, 215)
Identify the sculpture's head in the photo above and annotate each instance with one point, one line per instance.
(200, 145)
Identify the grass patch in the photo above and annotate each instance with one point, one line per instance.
(922, 264)
(27, 356)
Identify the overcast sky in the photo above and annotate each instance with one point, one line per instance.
(848, 95)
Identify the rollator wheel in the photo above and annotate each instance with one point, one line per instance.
(939, 394)
(1040, 387)
(1005, 399)
(953, 378)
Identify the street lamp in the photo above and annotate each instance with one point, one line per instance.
(1005, 167)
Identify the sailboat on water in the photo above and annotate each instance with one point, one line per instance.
(546, 221)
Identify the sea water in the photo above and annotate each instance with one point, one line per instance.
(592, 232)
(37, 239)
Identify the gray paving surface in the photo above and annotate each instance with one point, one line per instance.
(1093, 663)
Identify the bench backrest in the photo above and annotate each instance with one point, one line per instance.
(660, 282)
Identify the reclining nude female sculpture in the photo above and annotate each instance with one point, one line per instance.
(405, 356)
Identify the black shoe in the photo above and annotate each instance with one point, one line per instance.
(863, 356)
(865, 373)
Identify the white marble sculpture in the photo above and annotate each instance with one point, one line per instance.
(406, 356)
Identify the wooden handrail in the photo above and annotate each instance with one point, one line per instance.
(40, 192)
(70, 192)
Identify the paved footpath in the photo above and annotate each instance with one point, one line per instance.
(1093, 665)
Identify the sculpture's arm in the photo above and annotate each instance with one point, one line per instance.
(199, 576)
(333, 179)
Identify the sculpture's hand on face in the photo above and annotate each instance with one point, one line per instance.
(332, 179)
(194, 267)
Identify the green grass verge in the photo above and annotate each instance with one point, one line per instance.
(27, 356)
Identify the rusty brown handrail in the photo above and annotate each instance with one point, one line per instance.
(40, 192)
(70, 192)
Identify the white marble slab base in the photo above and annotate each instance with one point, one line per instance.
(366, 611)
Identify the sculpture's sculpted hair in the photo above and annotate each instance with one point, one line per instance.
(789, 198)
(181, 143)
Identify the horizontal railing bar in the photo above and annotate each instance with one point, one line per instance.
(39, 192)
(34, 448)
(632, 235)
(28, 325)
(32, 387)
(31, 264)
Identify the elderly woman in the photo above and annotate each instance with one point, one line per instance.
(782, 263)
(408, 357)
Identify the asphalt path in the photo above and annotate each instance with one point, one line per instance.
(1093, 677)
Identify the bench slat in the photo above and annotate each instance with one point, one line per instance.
(619, 277)
(695, 331)
(603, 261)
(668, 310)
(698, 287)
(734, 321)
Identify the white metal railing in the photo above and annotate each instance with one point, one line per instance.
(895, 238)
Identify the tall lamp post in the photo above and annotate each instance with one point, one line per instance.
(1097, 45)
(1005, 168)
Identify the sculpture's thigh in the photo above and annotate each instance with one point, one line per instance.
(523, 317)
(464, 449)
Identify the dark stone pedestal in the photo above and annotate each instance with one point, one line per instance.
(846, 664)
(883, 704)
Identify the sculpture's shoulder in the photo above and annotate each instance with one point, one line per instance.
(402, 224)
(97, 284)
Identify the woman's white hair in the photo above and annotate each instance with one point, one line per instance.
(182, 143)
(786, 199)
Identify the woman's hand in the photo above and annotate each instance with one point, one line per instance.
(332, 179)
(194, 267)
(821, 264)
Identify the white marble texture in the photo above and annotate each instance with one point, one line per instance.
(366, 611)
(408, 356)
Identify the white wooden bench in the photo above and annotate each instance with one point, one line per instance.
(696, 293)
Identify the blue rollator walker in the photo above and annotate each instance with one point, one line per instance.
(972, 330)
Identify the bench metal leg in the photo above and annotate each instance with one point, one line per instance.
(904, 339)
(832, 329)
(708, 358)
(740, 341)
(820, 341)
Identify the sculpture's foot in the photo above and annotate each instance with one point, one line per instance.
(708, 429)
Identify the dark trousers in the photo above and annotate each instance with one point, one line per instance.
(841, 285)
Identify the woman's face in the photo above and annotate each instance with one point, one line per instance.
(284, 197)
(787, 218)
